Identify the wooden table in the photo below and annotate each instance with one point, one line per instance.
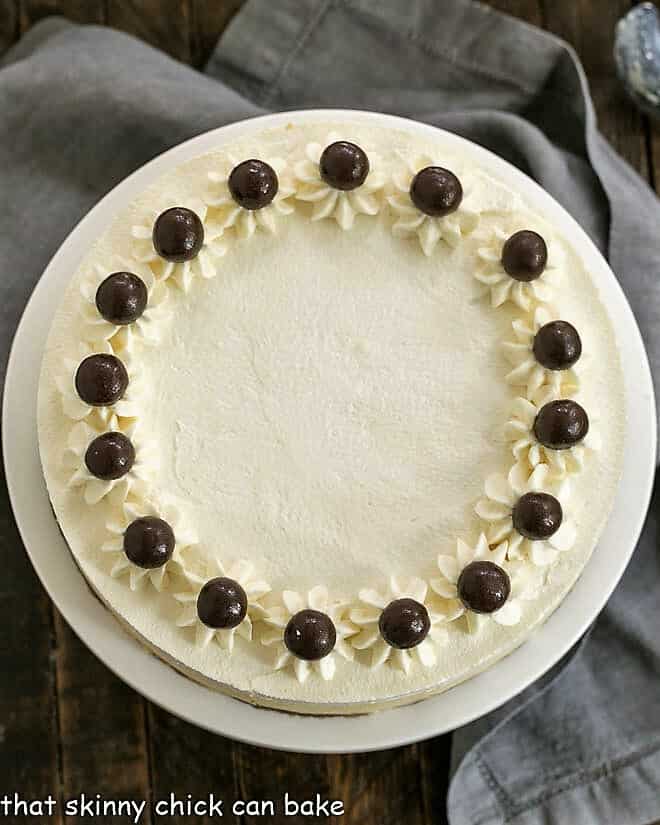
(67, 725)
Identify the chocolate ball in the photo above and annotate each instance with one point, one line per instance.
(310, 635)
(561, 424)
(178, 234)
(524, 255)
(101, 380)
(149, 542)
(557, 345)
(404, 623)
(436, 191)
(222, 603)
(253, 184)
(121, 298)
(344, 165)
(483, 586)
(110, 456)
(537, 516)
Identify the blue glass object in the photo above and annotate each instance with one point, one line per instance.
(637, 56)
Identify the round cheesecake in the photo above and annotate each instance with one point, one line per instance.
(330, 418)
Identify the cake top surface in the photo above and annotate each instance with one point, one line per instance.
(345, 397)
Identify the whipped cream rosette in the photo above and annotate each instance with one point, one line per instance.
(113, 460)
(179, 243)
(545, 355)
(520, 266)
(398, 625)
(223, 604)
(482, 584)
(308, 631)
(532, 428)
(246, 195)
(431, 202)
(110, 386)
(520, 511)
(340, 179)
(143, 314)
(148, 542)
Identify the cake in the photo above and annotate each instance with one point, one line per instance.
(331, 418)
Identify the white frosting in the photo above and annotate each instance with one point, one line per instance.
(502, 492)
(245, 222)
(122, 338)
(541, 385)
(367, 615)
(530, 453)
(241, 571)
(430, 230)
(291, 603)
(326, 417)
(121, 518)
(205, 265)
(75, 408)
(498, 283)
(135, 482)
(328, 202)
(526, 582)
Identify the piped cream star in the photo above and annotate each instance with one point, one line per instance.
(525, 579)
(541, 384)
(292, 603)
(96, 489)
(245, 222)
(502, 287)
(147, 328)
(117, 525)
(74, 407)
(367, 617)
(204, 265)
(328, 202)
(503, 492)
(430, 230)
(255, 589)
(529, 452)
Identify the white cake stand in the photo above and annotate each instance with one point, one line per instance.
(230, 717)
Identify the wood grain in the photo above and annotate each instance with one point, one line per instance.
(29, 725)
(80, 11)
(186, 760)
(103, 743)
(165, 25)
(589, 28)
(268, 774)
(208, 20)
(9, 26)
(383, 787)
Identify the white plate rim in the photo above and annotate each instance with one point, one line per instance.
(230, 717)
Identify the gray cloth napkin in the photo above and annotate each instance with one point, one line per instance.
(83, 107)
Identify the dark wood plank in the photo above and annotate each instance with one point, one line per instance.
(29, 758)
(103, 739)
(80, 11)
(208, 21)
(268, 774)
(383, 788)
(9, 28)
(589, 27)
(164, 25)
(186, 760)
(528, 10)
